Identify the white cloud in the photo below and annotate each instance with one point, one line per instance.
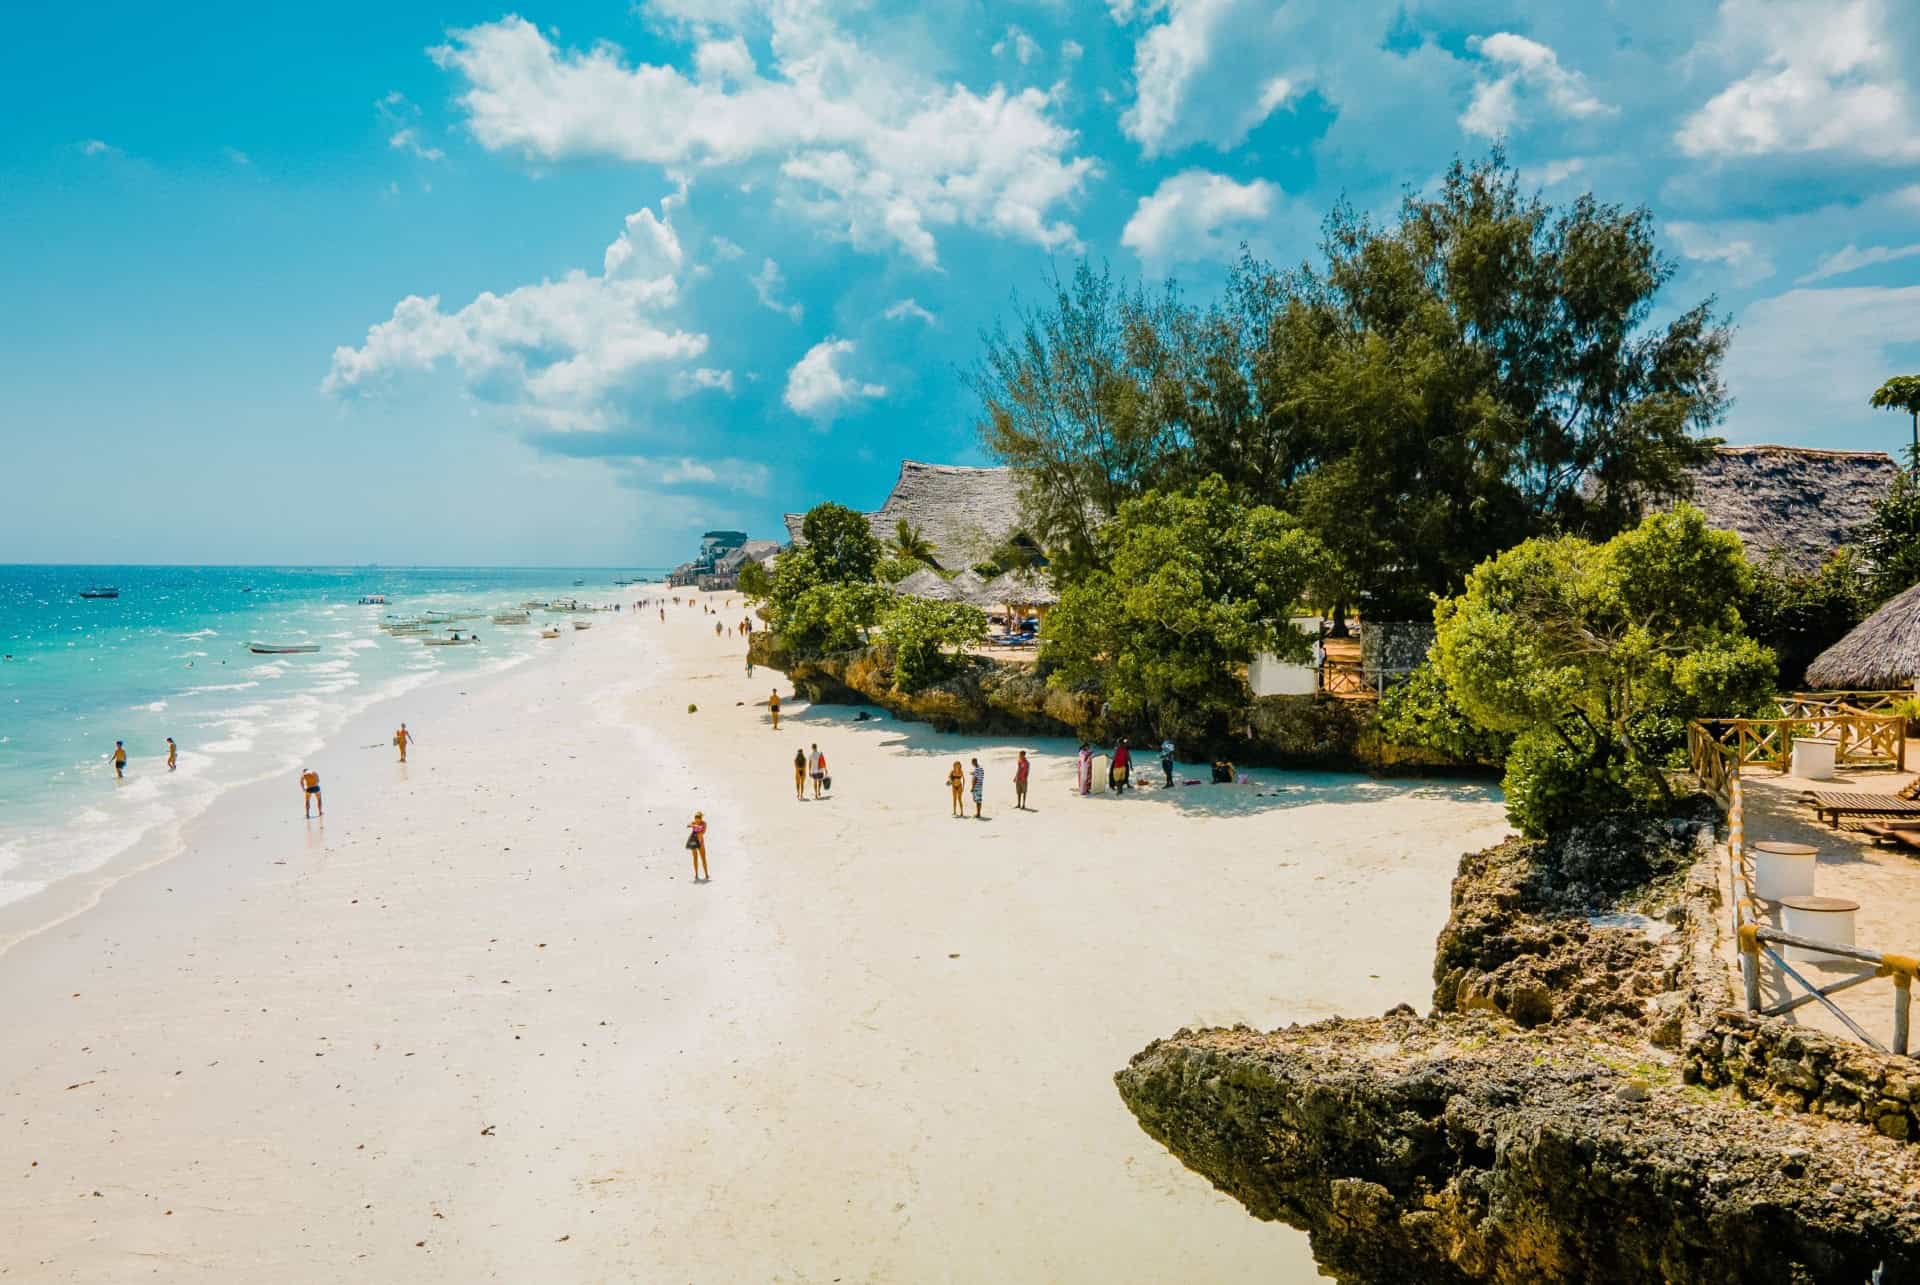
(1710, 244)
(908, 310)
(1803, 363)
(97, 147)
(1187, 214)
(724, 249)
(1018, 43)
(864, 144)
(1529, 68)
(748, 476)
(1822, 77)
(1192, 68)
(1072, 50)
(236, 156)
(816, 387)
(408, 140)
(401, 117)
(768, 283)
(1852, 258)
(702, 379)
(557, 351)
(1554, 173)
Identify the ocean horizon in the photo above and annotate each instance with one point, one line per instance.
(169, 657)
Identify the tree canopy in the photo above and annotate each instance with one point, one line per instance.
(1592, 654)
(1192, 585)
(841, 542)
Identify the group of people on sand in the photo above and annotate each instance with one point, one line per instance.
(312, 801)
(810, 764)
(1120, 765)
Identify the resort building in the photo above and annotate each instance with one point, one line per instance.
(1792, 504)
(964, 513)
(722, 554)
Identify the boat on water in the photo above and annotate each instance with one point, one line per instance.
(100, 591)
(583, 624)
(282, 649)
(455, 641)
(549, 633)
(373, 600)
(578, 583)
(539, 604)
(512, 618)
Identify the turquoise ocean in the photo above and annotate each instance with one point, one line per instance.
(169, 657)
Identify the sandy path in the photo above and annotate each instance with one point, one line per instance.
(484, 1027)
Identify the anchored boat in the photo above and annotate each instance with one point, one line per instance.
(100, 591)
(283, 649)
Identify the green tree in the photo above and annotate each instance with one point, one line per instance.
(1193, 585)
(756, 582)
(1590, 655)
(1902, 392)
(1421, 711)
(841, 542)
(1074, 401)
(833, 616)
(1798, 615)
(1890, 541)
(910, 544)
(920, 631)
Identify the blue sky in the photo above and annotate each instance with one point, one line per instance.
(452, 283)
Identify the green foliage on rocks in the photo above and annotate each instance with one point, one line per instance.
(1592, 656)
(1193, 585)
(1801, 614)
(923, 634)
(1421, 712)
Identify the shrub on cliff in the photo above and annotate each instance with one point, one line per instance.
(833, 617)
(920, 631)
(1422, 713)
(1193, 585)
(1591, 656)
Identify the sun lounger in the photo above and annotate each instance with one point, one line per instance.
(1907, 836)
(1831, 807)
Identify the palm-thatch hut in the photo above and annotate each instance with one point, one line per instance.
(1881, 654)
(965, 513)
(1792, 503)
(1019, 593)
(929, 584)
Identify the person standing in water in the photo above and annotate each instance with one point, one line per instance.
(697, 845)
(979, 787)
(310, 789)
(1020, 769)
(403, 738)
(173, 755)
(773, 708)
(800, 775)
(956, 782)
(819, 771)
(119, 760)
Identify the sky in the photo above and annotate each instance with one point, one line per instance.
(447, 283)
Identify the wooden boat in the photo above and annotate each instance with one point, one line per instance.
(583, 624)
(455, 641)
(512, 618)
(549, 633)
(100, 591)
(373, 600)
(283, 649)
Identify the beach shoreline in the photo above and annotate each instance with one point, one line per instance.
(483, 1025)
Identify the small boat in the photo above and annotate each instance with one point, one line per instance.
(455, 641)
(549, 633)
(512, 618)
(578, 583)
(373, 600)
(583, 624)
(283, 649)
(100, 591)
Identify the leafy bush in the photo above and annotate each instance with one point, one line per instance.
(920, 630)
(1800, 615)
(1421, 712)
(825, 618)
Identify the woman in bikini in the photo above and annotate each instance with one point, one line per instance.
(800, 775)
(957, 782)
(697, 845)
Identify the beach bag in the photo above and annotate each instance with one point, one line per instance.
(826, 782)
(693, 841)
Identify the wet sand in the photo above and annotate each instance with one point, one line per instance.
(482, 1024)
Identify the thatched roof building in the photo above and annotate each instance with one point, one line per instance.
(965, 513)
(1018, 589)
(1793, 503)
(926, 583)
(1881, 654)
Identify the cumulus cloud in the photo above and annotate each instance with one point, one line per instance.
(769, 284)
(1821, 77)
(1803, 362)
(1710, 244)
(817, 387)
(1527, 69)
(908, 310)
(555, 352)
(868, 146)
(1851, 258)
(1018, 43)
(702, 379)
(1187, 216)
(98, 147)
(1193, 66)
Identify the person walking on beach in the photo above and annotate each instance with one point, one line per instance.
(697, 845)
(749, 666)
(1121, 771)
(1085, 762)
(800, 775)
(119, 760)
(1020, 770)
(979, 787)
(773, 707)
(173, 755)
(1166, 758)
(310, 789)
(403, 738)
(819, 769)
(956, 782)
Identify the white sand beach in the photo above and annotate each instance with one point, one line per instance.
(481, 1025)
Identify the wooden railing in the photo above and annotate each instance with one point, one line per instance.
(1715, 766)
(1860, 740)
(1801, 704)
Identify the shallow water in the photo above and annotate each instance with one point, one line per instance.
(169, 658)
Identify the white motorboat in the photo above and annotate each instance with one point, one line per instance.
(282, 649)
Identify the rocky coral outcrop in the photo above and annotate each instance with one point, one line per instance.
(1467, 1149)
(1792, 1068)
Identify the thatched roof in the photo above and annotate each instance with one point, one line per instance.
(1881, 654)
(965, 513)
(1018, 589)
(926, 583)
(1792, 502)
